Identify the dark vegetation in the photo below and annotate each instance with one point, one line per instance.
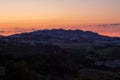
(50, 62)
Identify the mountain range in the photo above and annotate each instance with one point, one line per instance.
(61, 36)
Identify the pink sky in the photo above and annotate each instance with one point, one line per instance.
(28, 14)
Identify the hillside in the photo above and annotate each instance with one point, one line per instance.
(60, 55)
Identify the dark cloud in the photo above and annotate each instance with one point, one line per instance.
(117, 25)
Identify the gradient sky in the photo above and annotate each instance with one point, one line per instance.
(40, 14)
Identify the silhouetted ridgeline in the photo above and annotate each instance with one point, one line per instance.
(61, 36)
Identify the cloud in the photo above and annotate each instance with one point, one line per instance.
(107, 25)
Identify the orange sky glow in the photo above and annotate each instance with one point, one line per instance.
(18, 16)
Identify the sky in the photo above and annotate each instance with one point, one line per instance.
(26, 15)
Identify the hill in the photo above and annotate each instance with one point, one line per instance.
(63, 37)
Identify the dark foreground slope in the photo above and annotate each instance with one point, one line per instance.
(48, 62)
